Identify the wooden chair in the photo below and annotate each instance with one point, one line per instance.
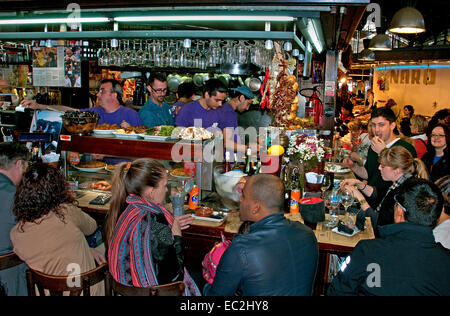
(9, 260)
(115, 288)
(57, 285)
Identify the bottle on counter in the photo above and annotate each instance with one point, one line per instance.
(296, 193)
(227, 165)
(193, 197)
(248, 159)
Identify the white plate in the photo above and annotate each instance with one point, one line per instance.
(152, 137)
(103, 131)
(355, 231)
(336, 169)
(89, 169)
(210, 218)
(126, 136)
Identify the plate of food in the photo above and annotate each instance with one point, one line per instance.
(110, 168)
(194, 133)
(355, 231)
(90, 166)
(335, 168)
(208, 214)
(179, 173)
(100, 185)
(121, 133)
(104, 131)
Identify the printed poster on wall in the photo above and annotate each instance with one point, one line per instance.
(57, 66)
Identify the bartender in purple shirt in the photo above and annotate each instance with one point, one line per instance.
(209, 110)
(110, 109)
(241, 99)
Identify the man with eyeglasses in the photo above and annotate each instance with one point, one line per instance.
(156, 111)
(111, 107)
(405, 260)
(13, 163)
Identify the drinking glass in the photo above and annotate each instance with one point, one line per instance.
(326, 182)
(332, 200)
(347, 201)
(177, 200)
(140, 55)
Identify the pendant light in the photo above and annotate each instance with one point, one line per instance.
(366, 54)
(407, 21)
(381, 42)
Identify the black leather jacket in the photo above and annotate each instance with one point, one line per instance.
(277, 257)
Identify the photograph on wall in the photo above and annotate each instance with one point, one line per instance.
(45, 57)
(72, 67)
(47, 122)
(317, 72)
(48, 66)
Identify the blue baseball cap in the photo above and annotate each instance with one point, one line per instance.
(244, 90)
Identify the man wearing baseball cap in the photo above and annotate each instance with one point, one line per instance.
(241, 99)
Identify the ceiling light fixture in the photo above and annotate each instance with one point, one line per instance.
(407, 21)
(366, 54)
(381, 42)
(170, 18)
(314, 37)
(54, 21)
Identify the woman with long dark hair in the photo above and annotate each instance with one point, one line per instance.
(437, 158)
(51, 229)
(145, 245)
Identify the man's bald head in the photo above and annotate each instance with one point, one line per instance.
(269, 190)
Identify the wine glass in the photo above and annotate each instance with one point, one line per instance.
(347, 201)
(326, 182)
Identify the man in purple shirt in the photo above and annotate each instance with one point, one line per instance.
(207, 112)
(204, 112)
(110, 109)
(240, 101)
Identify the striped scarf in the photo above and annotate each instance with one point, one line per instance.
(129, 256)
(394, 186)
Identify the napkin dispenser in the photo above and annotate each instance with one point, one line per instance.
(312, 209)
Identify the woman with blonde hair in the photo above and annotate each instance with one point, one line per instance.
(419, 125)
(145, 245)
(396, 165)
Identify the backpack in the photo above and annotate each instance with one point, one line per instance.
(212, 259)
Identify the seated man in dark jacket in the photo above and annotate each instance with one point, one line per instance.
(277, 256)
(405, 260)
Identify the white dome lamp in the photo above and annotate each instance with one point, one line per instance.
(407, 21)
(381, 42)
(366, 54)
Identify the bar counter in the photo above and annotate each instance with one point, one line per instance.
(203, 235)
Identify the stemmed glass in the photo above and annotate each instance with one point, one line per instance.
(326, 183)
(140, 55)
(347, 201)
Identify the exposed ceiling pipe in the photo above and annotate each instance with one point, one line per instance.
(342, 11)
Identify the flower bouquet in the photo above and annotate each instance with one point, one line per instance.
(306, 149)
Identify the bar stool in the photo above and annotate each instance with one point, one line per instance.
(57, 285)
(9, 260)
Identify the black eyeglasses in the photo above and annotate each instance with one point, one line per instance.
(159, 90)
(401, 206)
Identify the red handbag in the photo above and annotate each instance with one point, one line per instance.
(212, 259)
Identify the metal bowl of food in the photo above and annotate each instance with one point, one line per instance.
(203, 211)
(76, 122)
